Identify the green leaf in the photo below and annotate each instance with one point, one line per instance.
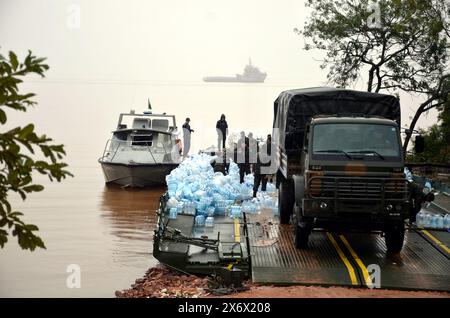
(13, 60)
(33, 188)
(2, 117)
(28, 129)
(31, 227)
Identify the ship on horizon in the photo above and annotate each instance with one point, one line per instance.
(251, 74)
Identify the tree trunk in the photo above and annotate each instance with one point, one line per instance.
(411, 127)
(413, 123)
(370, 82)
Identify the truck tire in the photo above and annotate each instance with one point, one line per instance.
(286, 199)
(301, 231)
(394, 236)
(299, 189)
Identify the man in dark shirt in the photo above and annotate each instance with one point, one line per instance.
(187, 137)
(222, 132)
(263, 160)
(243, 160)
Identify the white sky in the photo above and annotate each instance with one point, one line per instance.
(124, 49)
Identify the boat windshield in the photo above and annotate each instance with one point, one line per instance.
(352, 140)
(146, 121)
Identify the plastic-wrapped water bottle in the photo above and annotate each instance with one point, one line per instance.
(235, 211)
(180, 207)
(439, 222)
(173, 213)
(434, 221)
(210, 211)
(420, 219)
(209, 222)
(447, 221)
(200, 220)
(427, 220)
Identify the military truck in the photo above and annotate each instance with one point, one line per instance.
(340, 163)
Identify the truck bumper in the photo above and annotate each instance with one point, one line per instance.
(351, 211)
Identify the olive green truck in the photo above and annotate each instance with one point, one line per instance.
(340, 164)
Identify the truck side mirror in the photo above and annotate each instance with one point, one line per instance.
(419, 144)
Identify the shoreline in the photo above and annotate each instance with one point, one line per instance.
(162, 282)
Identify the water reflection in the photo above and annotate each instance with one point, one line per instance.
(131, 212)
(130, 216)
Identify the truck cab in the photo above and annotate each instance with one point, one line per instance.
(352, 178)
(340, 164)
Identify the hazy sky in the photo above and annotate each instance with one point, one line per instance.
(125, 51)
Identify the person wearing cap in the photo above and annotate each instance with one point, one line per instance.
(187, 137)
(222, 132)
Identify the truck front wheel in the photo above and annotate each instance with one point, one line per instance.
(302, 230)
(286, 199)
(394, 237)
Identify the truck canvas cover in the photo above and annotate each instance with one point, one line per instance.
(293, 109)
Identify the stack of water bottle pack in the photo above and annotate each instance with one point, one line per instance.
(194, 189)
(433, 220)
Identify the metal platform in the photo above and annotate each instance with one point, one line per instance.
(202, 250)
(259, 246)
(346, 259)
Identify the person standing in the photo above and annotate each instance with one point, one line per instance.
(259, 177)
(243, 161)
(187, 137)
(222, 132)
(263, 161)
(252, 150)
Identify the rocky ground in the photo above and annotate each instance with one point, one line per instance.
(161, 282)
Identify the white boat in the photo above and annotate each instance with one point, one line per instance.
(141, 151)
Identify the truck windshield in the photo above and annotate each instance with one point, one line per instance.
(356, 140)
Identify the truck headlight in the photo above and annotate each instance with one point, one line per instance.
(323, 205)
(389, 207)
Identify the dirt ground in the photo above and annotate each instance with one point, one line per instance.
(332, 292)
(161, 282)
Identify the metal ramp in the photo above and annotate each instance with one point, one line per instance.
(345, 259)
(419, 266)
(275, 260)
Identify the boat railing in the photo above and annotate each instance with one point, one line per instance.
(127, 143)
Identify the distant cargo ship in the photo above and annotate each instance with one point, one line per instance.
(252, 74)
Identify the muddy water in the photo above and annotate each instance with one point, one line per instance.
(106, 231)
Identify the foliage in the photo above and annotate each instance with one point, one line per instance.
(437, 139)
(401, 44)
(22, 151)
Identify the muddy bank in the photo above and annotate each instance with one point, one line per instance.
(162, 282)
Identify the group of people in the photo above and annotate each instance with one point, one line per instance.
(222, 133)
(251, 158)
(247, 153)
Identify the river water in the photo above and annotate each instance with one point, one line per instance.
(106, 231)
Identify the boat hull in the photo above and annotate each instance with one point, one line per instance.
(136, 175)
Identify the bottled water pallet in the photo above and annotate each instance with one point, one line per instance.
(358, 260)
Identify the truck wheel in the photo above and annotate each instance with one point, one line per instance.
(286, 199)
(301, 232)
(394, 237)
